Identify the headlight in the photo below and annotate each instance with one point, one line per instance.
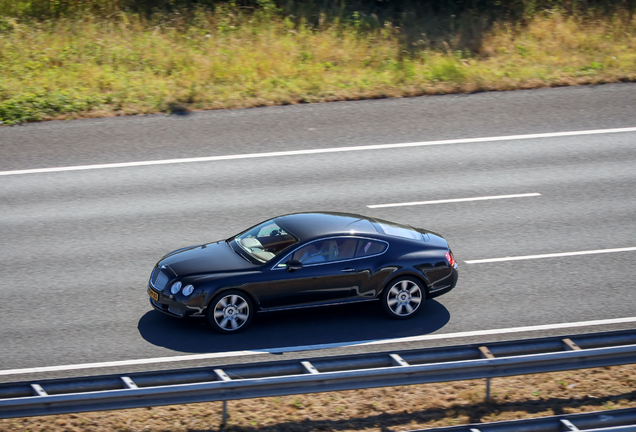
(175, 287)
(188, 290)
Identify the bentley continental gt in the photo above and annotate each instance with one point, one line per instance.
(304, 260)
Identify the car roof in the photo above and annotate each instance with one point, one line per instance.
(318, 224)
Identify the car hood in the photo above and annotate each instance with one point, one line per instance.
(207, 258)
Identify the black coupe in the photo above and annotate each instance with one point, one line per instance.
(304, 260)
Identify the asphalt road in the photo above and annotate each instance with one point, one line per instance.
(77, 247)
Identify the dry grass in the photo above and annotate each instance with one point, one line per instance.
(229, 59)
(385, 409)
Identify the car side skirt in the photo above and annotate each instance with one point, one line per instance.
(343, 302)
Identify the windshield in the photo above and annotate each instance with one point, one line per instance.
(265, 241)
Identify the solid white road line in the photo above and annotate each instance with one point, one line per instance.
(319, 347)
(456, 200)
(319, 151)
(551, 255)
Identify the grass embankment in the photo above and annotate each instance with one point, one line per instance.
(229, 58)
(386, 409)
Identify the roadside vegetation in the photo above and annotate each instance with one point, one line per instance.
(383, 409)
(74, 58)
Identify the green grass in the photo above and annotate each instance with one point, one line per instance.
(232, 57)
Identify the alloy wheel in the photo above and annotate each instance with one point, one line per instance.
(231, 312)
(404, 298)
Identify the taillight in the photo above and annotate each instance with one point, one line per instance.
(450, 258)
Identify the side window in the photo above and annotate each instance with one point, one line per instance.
(369, 247)
(345, 248)
(326, 251)
(315, 252)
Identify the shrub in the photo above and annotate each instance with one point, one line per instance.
(30, 107)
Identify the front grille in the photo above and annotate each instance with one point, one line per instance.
(158, 279)
(175, 310)
(153, 276)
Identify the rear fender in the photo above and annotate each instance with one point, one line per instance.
(414, 275)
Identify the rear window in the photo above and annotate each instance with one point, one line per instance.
(399, 231)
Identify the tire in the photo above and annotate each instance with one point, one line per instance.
(403, 297)
(230, 312)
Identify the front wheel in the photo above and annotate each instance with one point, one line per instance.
(403, 297)
(230, 311)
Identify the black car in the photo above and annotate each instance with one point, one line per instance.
(304, 260)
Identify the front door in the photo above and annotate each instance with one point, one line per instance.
(329, 275)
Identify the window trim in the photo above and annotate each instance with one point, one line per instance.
(388, 245)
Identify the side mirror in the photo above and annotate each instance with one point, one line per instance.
(293, 265)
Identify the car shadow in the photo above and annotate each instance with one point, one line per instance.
(327, 325)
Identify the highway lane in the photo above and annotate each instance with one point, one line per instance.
(77, 247)
(126, 139)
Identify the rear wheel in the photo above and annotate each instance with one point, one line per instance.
(403, 297)
(230, 311)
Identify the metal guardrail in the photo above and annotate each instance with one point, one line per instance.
(206, 384)
(621, 420)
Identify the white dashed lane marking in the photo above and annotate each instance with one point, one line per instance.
(319, 151)
(456, 200)
(550, 255)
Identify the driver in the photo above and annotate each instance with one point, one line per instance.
(312, 255)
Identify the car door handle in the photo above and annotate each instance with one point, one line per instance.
(348, 270)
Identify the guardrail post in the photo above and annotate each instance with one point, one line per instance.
(396, 360)
(485, 353)
(309, 368)
(570, 346)
(568, 425)
(38, 390)
(225, 378)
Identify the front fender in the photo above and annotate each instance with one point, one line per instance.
(212, 285)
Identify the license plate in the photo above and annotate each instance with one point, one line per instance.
(153, 295)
